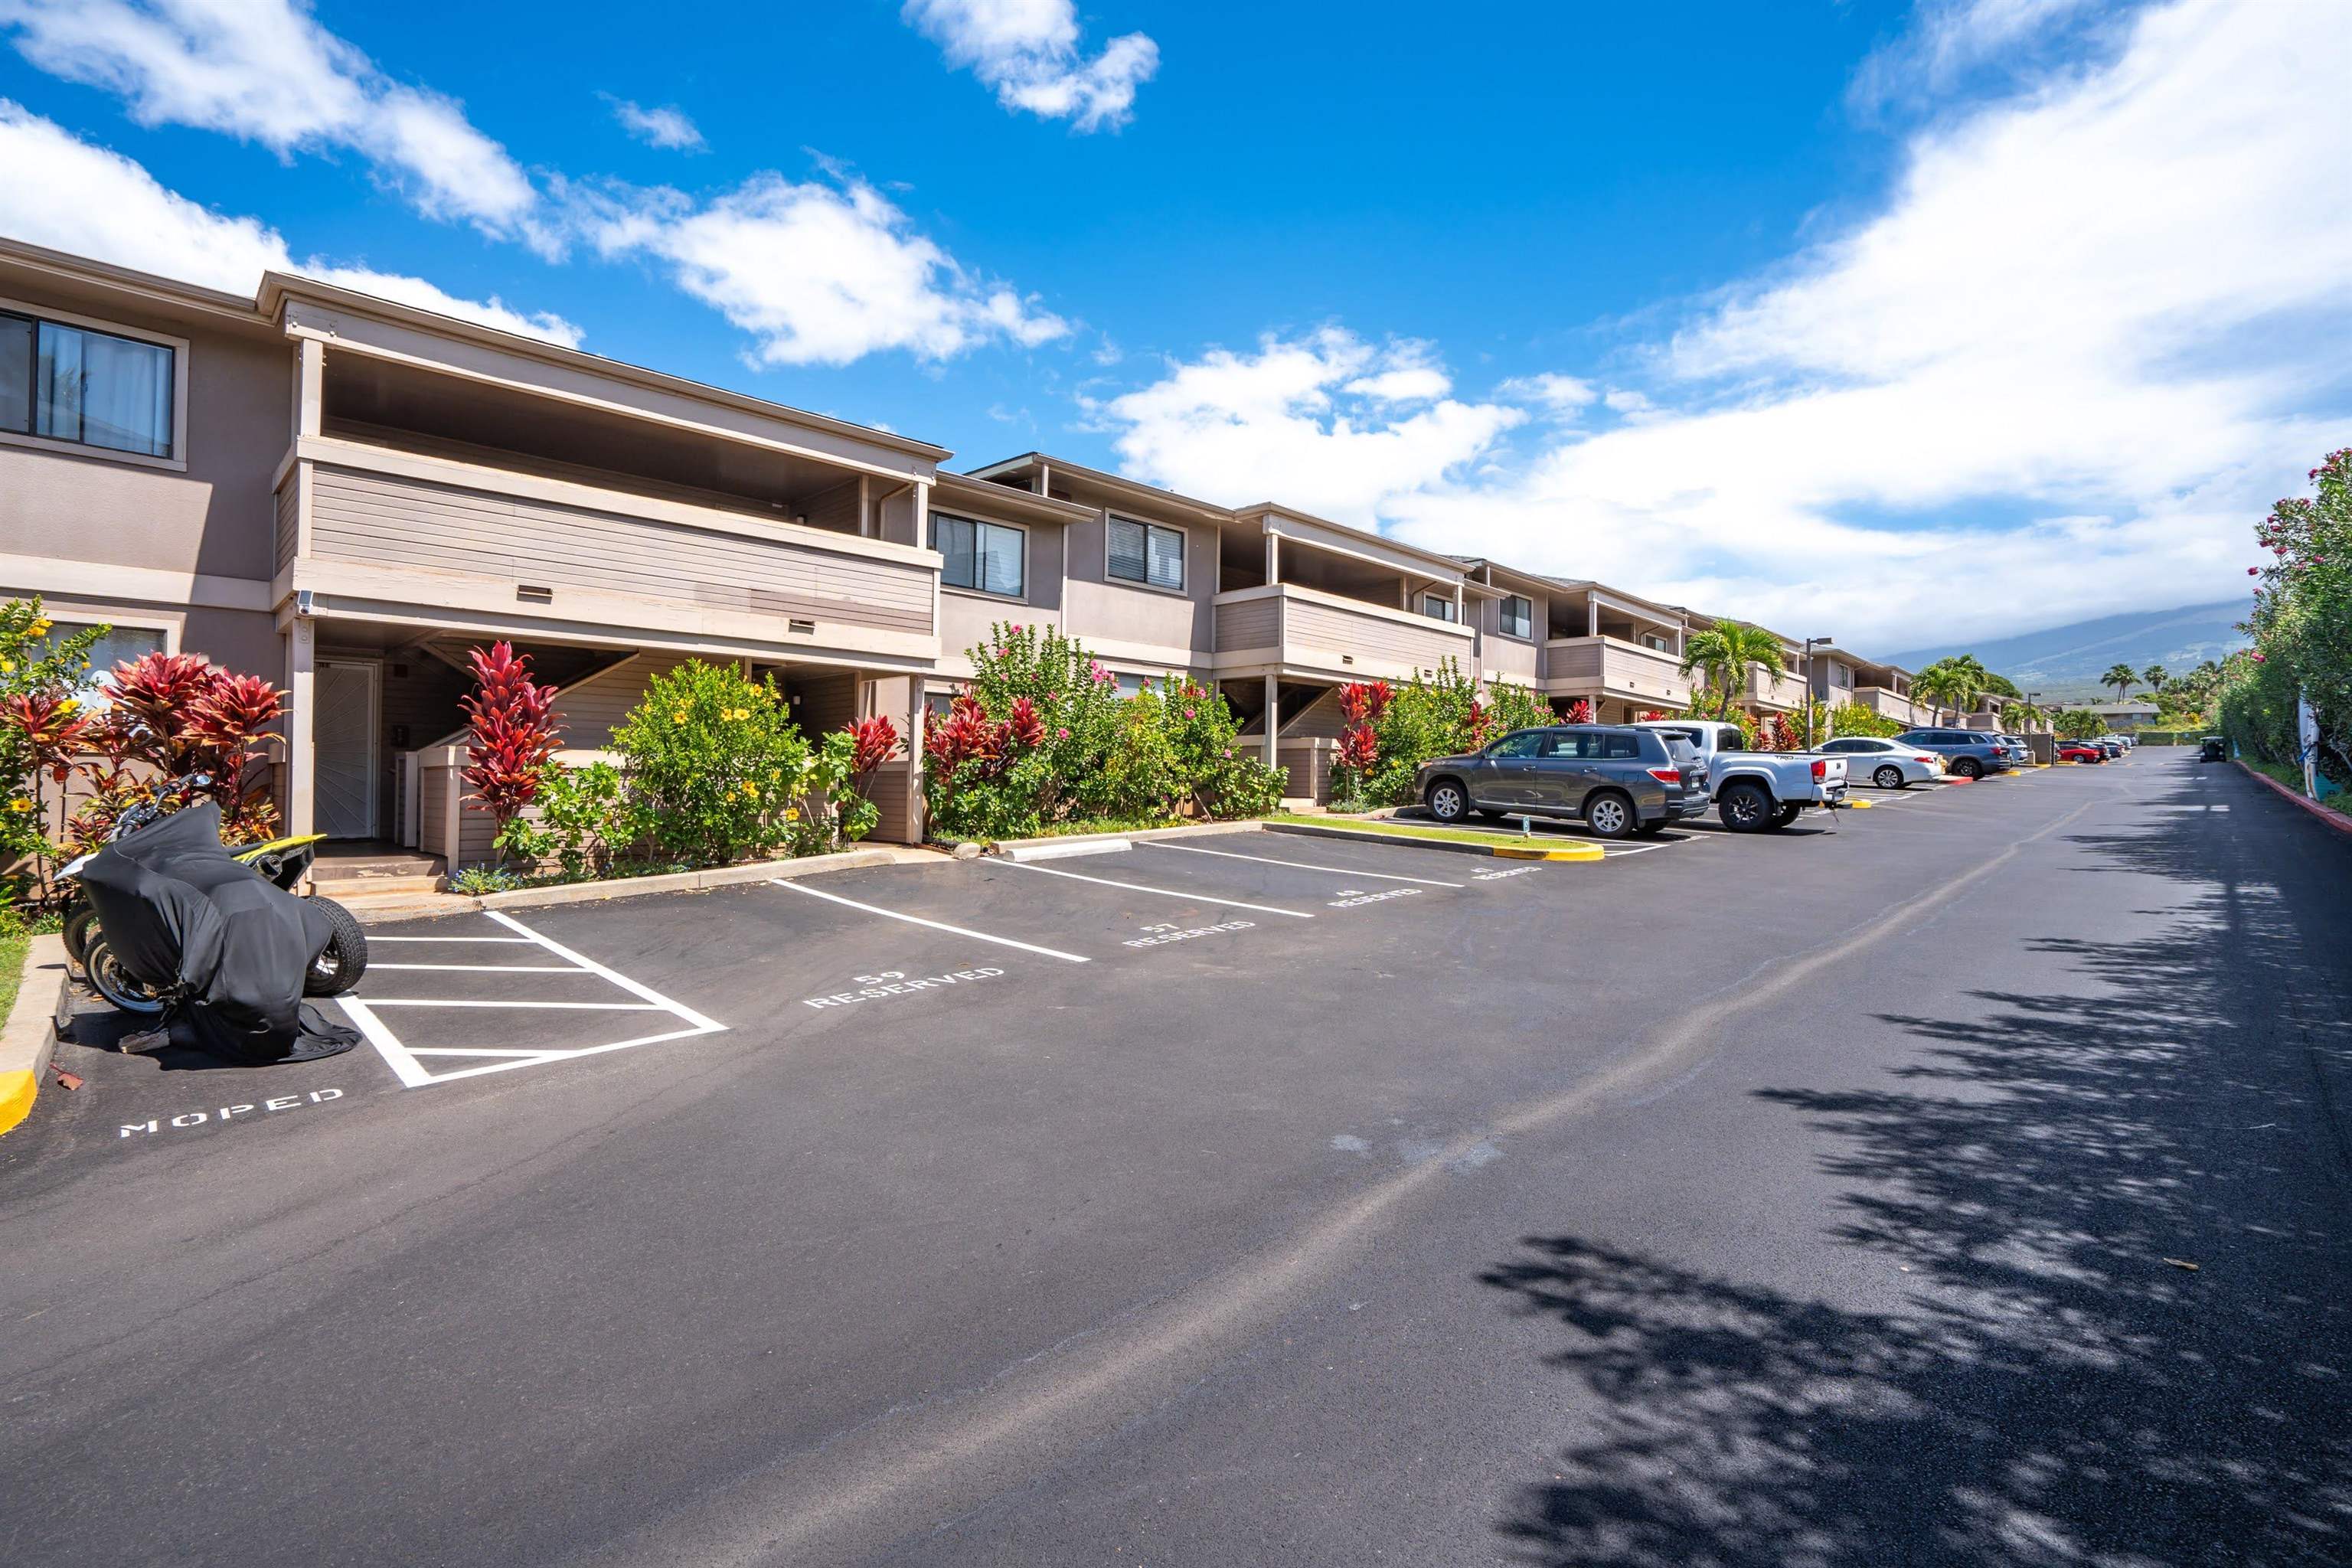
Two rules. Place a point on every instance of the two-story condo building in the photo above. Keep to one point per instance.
(347, 494)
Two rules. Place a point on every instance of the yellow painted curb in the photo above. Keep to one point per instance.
(1572, 852)
(1860, 804)
(16, 1091)
(29, 1030)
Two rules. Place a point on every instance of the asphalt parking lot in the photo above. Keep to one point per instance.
(1247, 1197)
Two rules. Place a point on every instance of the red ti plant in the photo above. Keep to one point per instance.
(1364, 704)
(514, 734)
(178, 714)
(1023, 725)
(1649, 715)
(1581, 711)
(873, 742)
(1780, 735)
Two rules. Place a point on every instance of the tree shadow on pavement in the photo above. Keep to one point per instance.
(2043, 1386)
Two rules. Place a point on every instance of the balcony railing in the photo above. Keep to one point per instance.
(1885, 702)
(1313, 631)
(1774, 690)
(453, 539)
(1610, 667)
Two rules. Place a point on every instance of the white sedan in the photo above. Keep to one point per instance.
(1889, 764)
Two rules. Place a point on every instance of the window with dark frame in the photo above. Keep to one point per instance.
(986, 557)
(1147, 553)
(1437, 606)
(1518, 617)
(91, 388)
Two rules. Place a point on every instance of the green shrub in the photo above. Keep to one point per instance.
(1441, 714)
(1853, 719)
(586, 821)
(476, 881)
(713, 765)
(1043, 738)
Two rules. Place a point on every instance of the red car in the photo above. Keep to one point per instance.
(2077, 752)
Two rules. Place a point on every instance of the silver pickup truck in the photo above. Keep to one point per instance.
(1757, 792)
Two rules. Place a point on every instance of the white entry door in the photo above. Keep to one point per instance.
(343, 734)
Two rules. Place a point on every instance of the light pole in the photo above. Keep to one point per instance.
(1810, 644)
(2032, 700)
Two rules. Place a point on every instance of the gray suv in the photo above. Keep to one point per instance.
(1620, 779)
(1967, 753)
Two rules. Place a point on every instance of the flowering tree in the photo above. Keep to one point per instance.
(514, 734)
(2301, 624)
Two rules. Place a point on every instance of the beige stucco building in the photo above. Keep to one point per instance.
(346, 494)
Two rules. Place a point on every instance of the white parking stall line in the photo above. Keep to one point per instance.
(623, 980)
(1164, 892)
(937, 925)
(1302, 865)
(408, 1062)
(493, 968)
(530, 1006)
(515, 940)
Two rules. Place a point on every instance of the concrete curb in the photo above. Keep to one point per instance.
(1008, 847)
(1451, 846)
(2335, 820)
(31, 1029)
(642, 886)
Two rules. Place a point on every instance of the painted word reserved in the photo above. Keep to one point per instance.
(894, 983)
(1162, 935)
(230, 1112)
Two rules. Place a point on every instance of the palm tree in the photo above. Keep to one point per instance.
(2120, 677)
(2155, 675)
(1958, 682)
(1723, 653)
(2017, 718)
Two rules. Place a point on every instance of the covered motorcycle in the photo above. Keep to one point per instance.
(214, 939)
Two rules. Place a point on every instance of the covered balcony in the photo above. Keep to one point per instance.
(1614, 650)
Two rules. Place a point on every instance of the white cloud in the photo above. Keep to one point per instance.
(265, 71)
(2087, 340)
(1561, 394)
(65, 194)
(666, 127)
(818, 273)
(1028, 51)
(1302, 421)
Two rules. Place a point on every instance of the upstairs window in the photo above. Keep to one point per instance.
(93, 389)
(986, 557)
(1147, 553)
(1437, 606)
(1518, 617)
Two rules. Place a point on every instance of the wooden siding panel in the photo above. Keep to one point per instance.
(1311, 624)
(285, 523)
(374, 518)
(1251, 624)
(590, 710)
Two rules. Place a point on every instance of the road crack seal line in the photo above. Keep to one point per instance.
(851, 1496)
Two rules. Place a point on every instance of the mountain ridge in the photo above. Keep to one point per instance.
(2067, 661)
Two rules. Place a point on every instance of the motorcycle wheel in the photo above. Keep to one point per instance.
(345, 959)
(115, 983)
(79, 927)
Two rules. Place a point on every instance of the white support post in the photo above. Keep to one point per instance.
(1273, 559)
(914, 717)
(301, 758)
(1273, 715)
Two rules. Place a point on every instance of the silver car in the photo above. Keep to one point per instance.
(1889, 764)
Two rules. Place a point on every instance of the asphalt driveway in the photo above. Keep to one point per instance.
(1804, 1196)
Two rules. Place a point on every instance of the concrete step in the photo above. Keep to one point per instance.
(356, 890)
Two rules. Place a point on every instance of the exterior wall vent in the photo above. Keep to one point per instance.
(534, 595)
(803, 628)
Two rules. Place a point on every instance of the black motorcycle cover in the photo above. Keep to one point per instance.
(185, 916)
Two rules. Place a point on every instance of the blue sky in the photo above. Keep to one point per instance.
(1797, 310)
